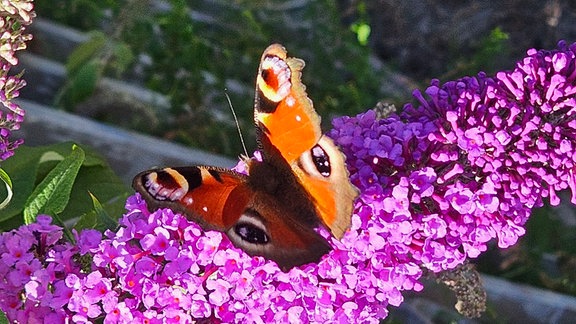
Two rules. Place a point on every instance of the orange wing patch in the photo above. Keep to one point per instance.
(283, 109)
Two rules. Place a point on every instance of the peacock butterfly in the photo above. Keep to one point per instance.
(300, 183)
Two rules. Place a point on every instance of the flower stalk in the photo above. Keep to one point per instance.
(14, 17)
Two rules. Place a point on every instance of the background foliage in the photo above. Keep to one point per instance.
(195, 51)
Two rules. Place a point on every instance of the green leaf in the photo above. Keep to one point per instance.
(32, 164)
(102, 220)
(80, 85)
(102, 183)
(3, 318)
(6, 179)
(51, 156)
(100, 212)
(22, 168)
(99, 217)
(85, 52)
(52, 194)
(56, 220)
(123, 57)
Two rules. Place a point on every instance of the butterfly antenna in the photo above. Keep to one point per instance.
(237, 123)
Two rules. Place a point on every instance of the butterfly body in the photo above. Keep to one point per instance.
(300, 183)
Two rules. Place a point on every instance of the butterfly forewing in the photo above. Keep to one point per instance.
(283, 111)
(211, 196)
(290, 125)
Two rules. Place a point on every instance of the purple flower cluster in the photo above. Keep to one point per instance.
(160, 267)
(469, 162)
(15, 16)
(34, 263)
(411, 192)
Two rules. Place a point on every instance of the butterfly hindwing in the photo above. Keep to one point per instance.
(223, 200)
(322, 171)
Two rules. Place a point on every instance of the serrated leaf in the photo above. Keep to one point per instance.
(95, 175)
(22, 168)
(101, 182)
(53, 193)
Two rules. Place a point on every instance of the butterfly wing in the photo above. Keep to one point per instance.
(220, 199)
(283, 112)
(323, 173)
(213, 197)
(288, 124)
